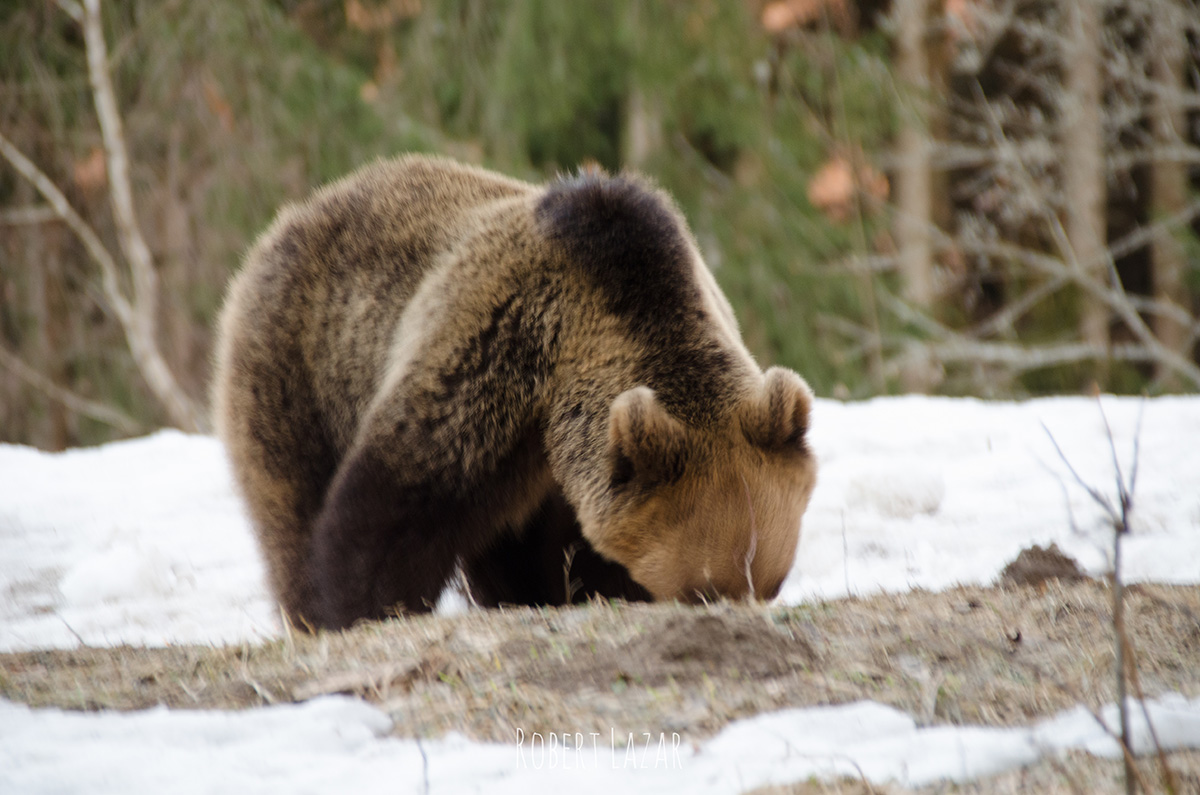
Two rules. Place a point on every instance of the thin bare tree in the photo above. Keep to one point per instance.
(136, 307)
(1168, 118)
(1082, 143)
(1034, 135)
(914, 182)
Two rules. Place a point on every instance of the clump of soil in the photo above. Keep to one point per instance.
(680, 648)
(691, 645)
(1035, 565)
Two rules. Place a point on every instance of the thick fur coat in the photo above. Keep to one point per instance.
(428, 365)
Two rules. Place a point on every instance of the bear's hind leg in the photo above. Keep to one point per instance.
(283, 469)
(381, 544)
(525, 566)
(547, 562)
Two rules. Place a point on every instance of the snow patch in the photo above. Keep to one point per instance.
(338, 744)
(120, 572)
(902, 491)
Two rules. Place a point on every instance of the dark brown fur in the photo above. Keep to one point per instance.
(429, 364)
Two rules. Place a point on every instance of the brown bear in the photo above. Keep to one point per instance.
(427, 365)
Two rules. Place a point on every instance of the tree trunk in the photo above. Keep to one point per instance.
(914, 175)
(914, 181)
(1170, 188)
(1085, 182)
(642, 135)
(53, 323)
(643, 128)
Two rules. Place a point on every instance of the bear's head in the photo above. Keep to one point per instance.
(701, 513)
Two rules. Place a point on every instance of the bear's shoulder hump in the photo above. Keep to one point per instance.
(618, 228)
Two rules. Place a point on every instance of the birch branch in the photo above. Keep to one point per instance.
(953, 346)
(137, 313)
(32, 215)
(129, 234)
(1113, 293)
(109, 270)
(76, 403)
(142, 334)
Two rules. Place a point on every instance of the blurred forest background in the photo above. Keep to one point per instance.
(987, 197)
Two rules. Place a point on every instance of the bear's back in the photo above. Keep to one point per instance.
(376, 231)
(322, 290)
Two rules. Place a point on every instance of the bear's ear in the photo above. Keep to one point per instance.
(777, 418)
(646, 444)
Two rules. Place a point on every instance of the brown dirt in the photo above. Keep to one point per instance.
(972, 655)
(1036, 564)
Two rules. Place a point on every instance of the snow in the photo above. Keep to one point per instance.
(920, 492)
(138, 542)
(143, 542)
(338, 744)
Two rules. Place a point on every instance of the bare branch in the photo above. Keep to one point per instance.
(71, 9)
(953, 346)
(91, 241)
(1004, 319)
(1168, 775)
(33, 214)
(1107, 289)
(1092, 491)
(1144, 235)
(1137, 448)
(76, 403)
(1033, 357)
(133, 245)
(1126, 666)
(1180, 154)
(1115, 298)
(1126, 498)
(139, 315)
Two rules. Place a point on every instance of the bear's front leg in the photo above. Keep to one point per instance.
(409, 500)
(384, 541)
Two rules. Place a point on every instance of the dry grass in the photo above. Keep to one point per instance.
(1076, 773)
(993, 656)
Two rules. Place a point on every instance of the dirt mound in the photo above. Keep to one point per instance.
(1035, 565)
(679, 647)
(734, 644)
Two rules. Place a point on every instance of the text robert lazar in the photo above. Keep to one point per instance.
(591, 750)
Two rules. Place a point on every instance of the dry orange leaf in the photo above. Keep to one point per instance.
(360, 17)
(590, 167)
(832, 189)
(781, 15)
(91, 173)
(962, 17)
(217, 104)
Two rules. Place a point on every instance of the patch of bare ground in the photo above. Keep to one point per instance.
(972, 655)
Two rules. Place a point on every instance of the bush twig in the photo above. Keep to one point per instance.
(1119, 518)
